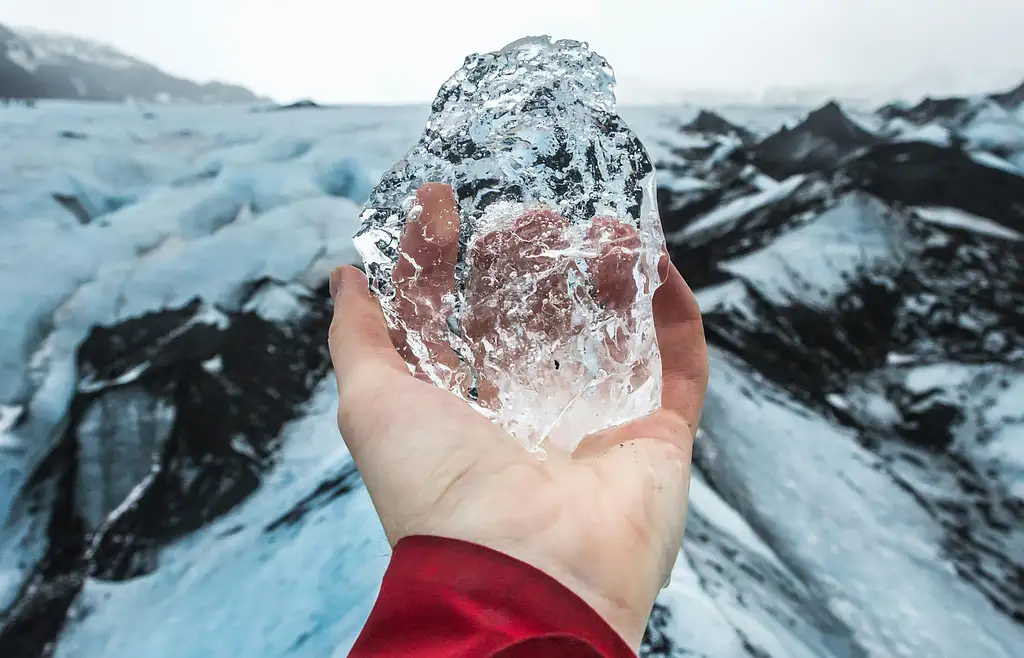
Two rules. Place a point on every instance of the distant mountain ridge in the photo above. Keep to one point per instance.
(36, 64)
(824, 137)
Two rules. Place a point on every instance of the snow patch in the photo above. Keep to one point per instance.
(816, 261)
(52, 47)
(859, 539)
(722, 217)
(994, 161)
(931, 133)
(956, 218)
(710, 505)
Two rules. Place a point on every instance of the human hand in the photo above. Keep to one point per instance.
(539, 293)
(606, 521)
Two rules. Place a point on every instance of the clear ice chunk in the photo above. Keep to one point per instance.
(515, 248)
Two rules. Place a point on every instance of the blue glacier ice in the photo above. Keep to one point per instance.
(193, 301)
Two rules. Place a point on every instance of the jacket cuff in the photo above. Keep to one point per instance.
(475, 601)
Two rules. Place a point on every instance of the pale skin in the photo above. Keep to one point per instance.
(606, 521)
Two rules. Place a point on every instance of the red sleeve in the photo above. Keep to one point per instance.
(450, 598)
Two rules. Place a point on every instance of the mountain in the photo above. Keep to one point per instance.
(952, 108)
(929, 109)
(878, 290)
(711, 123)
(989, 123)
(1011, 99)
(172, 482)
(35, 64)
(821, 140)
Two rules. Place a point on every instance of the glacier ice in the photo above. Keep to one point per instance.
(775, 566)
(525, 286)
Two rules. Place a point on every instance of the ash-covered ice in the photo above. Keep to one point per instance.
(515, 248)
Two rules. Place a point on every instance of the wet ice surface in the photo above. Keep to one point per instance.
(529, 293)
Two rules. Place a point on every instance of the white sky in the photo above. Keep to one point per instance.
(401, 50)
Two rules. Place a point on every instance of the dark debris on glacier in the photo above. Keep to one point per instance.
(946, 296)
(176, 418)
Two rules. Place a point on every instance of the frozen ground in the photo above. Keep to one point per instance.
(172, 483)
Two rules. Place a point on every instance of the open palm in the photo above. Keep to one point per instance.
(607, 520)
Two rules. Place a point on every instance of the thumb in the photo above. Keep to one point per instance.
(684, 351)
(361, 348)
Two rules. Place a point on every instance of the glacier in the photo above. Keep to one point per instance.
(172, 482)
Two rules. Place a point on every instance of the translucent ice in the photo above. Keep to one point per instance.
(515, 248)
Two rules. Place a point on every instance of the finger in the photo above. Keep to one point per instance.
(684, 353)
(358, 337)
(425, 273)
(515, 286)
(534, 238)
(383, 410)
(516, 280)
(542, 227)
(618, 251)
(429, 247)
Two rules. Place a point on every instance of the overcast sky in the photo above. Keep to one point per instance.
(401, 50)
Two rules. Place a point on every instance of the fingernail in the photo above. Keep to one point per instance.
(336, 276)
(663, 268)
